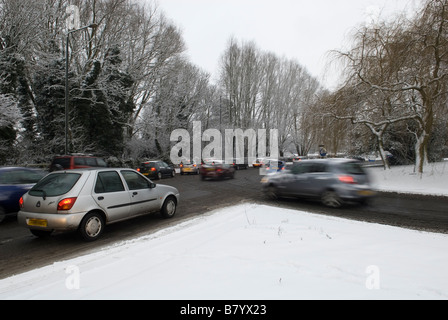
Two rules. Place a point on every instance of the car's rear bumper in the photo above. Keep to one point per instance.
(359, 193)
(49, 222)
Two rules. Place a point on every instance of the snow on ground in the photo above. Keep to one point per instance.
(255, 252)
(434, 180)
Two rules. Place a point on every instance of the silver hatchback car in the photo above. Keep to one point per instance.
(88, 199)
(333, 181)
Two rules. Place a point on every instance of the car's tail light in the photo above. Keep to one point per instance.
(138, 169)
(21, 202)
(347, 179)
(181, 165)
(153, 169)
(66, 204)
(194, 165)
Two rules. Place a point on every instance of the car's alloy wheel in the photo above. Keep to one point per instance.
(169, 208)
(92, 226)
(331, 199)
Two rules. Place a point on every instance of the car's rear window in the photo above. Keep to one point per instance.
(352, 168)
(20, 176)
(63, 162)
(149, 165)
(55, 185)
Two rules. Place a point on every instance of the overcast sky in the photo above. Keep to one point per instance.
(303, 30)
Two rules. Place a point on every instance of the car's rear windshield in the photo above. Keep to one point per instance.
(148, 165)
(63, 162)
(352, 168)
(55, 185)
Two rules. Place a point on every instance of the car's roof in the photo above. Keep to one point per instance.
(329, 160)
(90, 169)
(19, 168)
(76, 155)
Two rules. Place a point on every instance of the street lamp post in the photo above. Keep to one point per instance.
(91, 26)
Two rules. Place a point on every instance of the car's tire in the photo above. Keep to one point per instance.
(173, 173)
(41, 233)
(331, 199)
(159, 175)
(92, 226)
(169, 208)
(271, 193)
(2, 214)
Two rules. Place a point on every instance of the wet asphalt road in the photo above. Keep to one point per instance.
(20, 251)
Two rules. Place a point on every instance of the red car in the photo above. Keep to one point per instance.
(216, 170)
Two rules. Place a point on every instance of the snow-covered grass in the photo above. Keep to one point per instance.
(255, 252)
(434, 180)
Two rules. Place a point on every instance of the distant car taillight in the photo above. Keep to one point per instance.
(138, 169)
(21, 202)
(347, 179)
(66, 204)
(153, 169)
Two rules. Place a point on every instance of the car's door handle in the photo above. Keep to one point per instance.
(100, 198)
(135, 193)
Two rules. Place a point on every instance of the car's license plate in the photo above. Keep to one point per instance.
(37, 222)
(366, 193)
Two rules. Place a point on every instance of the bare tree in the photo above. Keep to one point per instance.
(398, 68)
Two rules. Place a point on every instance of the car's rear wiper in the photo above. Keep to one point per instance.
(44, 194)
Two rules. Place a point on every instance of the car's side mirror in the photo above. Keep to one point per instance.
(152, 185)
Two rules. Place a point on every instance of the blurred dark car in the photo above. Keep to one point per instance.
(156, 169)
(216, 170)
(14, 183)
(239, 164)
(333, 181)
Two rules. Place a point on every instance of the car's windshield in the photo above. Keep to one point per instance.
(55, 185)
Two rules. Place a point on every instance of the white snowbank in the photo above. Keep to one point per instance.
(252, 252)
(434, 180)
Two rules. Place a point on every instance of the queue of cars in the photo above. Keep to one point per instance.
(81, 193)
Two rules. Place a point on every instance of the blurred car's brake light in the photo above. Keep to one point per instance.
(66, 204)
(153, 169)
(138, 169)
(21, 202)
(347, 179)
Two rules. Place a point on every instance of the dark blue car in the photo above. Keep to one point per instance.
(14, 182)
